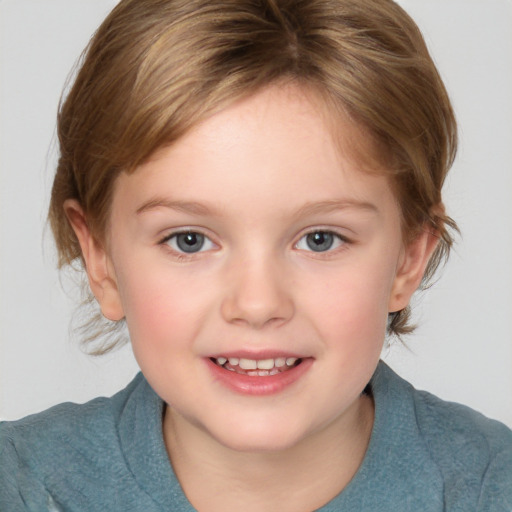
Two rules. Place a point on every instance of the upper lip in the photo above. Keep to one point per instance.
(257, 355)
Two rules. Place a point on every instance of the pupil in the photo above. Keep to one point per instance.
(320, 241)
(190, 242)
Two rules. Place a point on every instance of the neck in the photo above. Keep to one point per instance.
(301, 478)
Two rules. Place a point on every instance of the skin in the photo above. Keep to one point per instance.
(256, 179)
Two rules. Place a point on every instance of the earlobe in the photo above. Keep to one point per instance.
(99, 269)
(411, 268)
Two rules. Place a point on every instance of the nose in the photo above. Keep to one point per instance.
(257, 294)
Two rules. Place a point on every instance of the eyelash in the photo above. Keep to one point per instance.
(178, 252)
(339, 241)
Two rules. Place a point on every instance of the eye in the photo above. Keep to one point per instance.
(189, 242)
(320, 241)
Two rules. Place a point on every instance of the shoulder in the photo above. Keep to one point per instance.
(464, 427)
(472, 453)
(471, 450)
(67, 442)
(67, 423)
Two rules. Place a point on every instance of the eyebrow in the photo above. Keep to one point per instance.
(334, 205)
(312, 208)
(182, 206)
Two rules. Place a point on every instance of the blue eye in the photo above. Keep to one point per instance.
(320, 241)
(189, 242)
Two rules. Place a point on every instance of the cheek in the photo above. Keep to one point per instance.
(162, 308)
(353, 305)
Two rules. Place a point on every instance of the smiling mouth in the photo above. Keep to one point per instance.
(257, 367)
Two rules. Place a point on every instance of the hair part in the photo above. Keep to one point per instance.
(156, 68)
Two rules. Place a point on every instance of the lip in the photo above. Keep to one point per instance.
(259, 355)
(256, 385)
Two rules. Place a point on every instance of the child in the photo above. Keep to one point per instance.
(255, 188)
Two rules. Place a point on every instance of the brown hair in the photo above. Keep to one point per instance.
(155, 68)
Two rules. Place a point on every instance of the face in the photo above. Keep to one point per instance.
(256, 264)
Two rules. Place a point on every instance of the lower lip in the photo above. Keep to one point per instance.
(256, 385)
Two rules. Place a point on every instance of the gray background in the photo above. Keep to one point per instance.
(463, 348)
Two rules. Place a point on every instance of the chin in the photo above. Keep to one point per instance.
(263, 438)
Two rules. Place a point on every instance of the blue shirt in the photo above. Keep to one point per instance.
(108, 454)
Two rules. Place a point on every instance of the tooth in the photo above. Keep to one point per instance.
(274, 371)
(280, 361)
(263, 373)
(266, 364)
(221, 360)
(291, 361)
(252, 373)
(247, 364)
(233, 361)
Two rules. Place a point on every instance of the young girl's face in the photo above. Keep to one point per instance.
(256, 265)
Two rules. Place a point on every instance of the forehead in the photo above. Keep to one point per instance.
(291, 103)
(282, 140)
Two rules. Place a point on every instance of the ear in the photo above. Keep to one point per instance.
(411, 268)
(98, 266)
